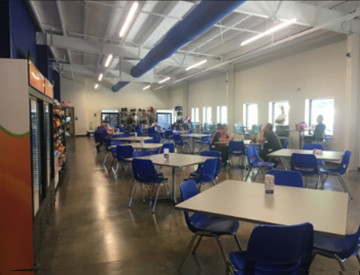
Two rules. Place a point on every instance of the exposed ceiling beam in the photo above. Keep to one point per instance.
(305, 14)
(58, 6)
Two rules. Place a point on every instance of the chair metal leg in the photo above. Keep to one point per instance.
(237, 242)
(131, 186)
(105, 159)
(187, 251)
(133, 193)
(214, 183)
(221, 248)
(156, 198)
(248, 174)
(323, 181)
(257, 173)
(358, 258)
(344, 186)
(340, 262)
(196, 245)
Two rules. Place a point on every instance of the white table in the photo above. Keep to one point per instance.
(326, 210)
(176, 161)
(132, 139)
(332, 156)
(141, 146)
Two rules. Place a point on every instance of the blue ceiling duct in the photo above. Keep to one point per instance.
(119, 85)
(203, 17)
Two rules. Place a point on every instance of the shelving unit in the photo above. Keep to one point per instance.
(59, 124)
(178, 115)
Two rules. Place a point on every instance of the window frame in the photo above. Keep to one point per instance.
(309, 112)
(245, 114)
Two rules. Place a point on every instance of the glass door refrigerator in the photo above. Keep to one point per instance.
(110, 117)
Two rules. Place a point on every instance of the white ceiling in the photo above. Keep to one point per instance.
(82, 33)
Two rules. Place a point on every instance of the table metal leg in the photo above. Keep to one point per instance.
(284, 163)
(174, 184)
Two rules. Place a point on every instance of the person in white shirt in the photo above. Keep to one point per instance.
(280, 119)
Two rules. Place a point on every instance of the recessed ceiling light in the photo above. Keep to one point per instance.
(100, 77)
(165, 79)
(146, 87)
(128, 19)
(196, 65)
(108, 60)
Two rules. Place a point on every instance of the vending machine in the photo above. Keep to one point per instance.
(26, 163)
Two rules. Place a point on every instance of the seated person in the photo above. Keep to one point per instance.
(101, 130)
(319, 131)
(271, 142)
(221, 135)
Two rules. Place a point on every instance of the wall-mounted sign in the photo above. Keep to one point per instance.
(36, 79)
(49, 88)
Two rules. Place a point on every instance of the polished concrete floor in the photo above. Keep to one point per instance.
(92, 231)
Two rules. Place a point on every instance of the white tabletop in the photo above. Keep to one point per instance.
(176, 160)
(326, 210)
(132, 139)
(194, 135)
(145, 146)
(326, 155)
(247, 142)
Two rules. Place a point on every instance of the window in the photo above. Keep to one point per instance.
(195, 115)
(221, 114)
(279, 110)
(250, 115)
(320, 106)
(207, 115)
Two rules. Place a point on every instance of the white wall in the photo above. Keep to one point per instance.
(313, 74)
(207, 92)
(175, 97)
(89, 102)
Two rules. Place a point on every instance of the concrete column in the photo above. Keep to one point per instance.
(352, 99)
(230, 97)
(185, 104)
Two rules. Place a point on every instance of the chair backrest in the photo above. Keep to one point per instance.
(178, 139)
(99, 137)
(351, 242)
(312, 146)
(306, 164)
(344, 163)
(274, 248)
(169, 134)
(170, 146)
(286, 144)
(252, 154)
(209, 171)
(144, 170)
(123, 152)
(137, 154)
(216, 154)
(236, 147)
(113, 150)
(287, 178)
(188, 189)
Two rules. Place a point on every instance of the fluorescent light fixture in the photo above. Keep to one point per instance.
(269, 31)
(165, 79)
(108, 60)
(196, 64)
(96, 86)
(100, 77)
(146, 87)
(128, 19)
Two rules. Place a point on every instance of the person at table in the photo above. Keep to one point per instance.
(271, 142)
(280, 119)
(104, 131)
(221, 135)
(319, 131)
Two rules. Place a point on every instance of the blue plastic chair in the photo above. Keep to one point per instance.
(205, 225)
(180, 143)
(207, 173)
(306, 164)
(255, 162)
(312, 146)
(338, 172)
(274, 249)
(151, 131)
(137, 154)
(145, 174)
(237, 149)
(139, 130)
(169, 146)
(169, 135)
(208, 154)
(286, 144)
(155, 139)
(287, 178)
(338, 248)
(108, 142)
(123, 152)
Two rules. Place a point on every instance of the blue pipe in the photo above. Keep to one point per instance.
(119, 85)
(203, 17)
